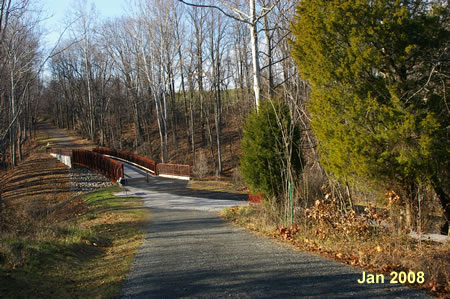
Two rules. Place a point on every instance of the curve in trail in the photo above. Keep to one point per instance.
(60, 138)
(165, 193)
(190, 252)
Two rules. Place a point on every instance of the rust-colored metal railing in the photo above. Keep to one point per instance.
(140, 160)
(156, 168)
(110, 168)
(174, 169)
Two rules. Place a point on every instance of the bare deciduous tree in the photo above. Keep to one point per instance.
(251, 19)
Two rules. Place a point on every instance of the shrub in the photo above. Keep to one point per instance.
(270, 150)
(377, 103)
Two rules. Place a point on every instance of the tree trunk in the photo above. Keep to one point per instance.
(218, 131)
(102, 123)
(183, 92)
(173, 115)
(269, 57)
(19, 141)
(191, 110)
(13, 128)
(445, 202)
(255, 54)
(161, 127)
(166, 131)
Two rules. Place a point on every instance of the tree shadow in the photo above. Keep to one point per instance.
(139, 178)
(196, 254)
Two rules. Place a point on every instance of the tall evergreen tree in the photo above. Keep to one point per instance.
(265, 159)
(379, 72)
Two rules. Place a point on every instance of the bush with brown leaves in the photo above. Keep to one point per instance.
(328, 220)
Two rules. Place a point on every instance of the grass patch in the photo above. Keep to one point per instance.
(219, 186)
(354, 243)
(252, 217)
(44, 139)
(86, 256)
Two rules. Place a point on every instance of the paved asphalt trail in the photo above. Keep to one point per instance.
(190, 252)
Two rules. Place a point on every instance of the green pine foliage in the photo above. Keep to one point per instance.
(264, 161)
(379, 72)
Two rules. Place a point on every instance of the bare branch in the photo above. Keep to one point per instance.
(4, 14)
(273, 63)
(265, 11)
(240, 19)
(235, 10)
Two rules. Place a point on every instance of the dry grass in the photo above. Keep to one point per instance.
(55, 245)
(116, 224)
(86, 256)
(216, 185)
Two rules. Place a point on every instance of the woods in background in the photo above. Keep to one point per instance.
(187, 69)
(175, 80)
(20, 60)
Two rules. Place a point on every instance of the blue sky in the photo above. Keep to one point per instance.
(58, 10)
(107, 8)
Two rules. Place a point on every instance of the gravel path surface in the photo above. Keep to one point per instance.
(84, 180)
(190, 252)
(195, 254)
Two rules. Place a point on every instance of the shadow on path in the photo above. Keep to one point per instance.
(60, 139)
(195, 254)
(138, 178)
